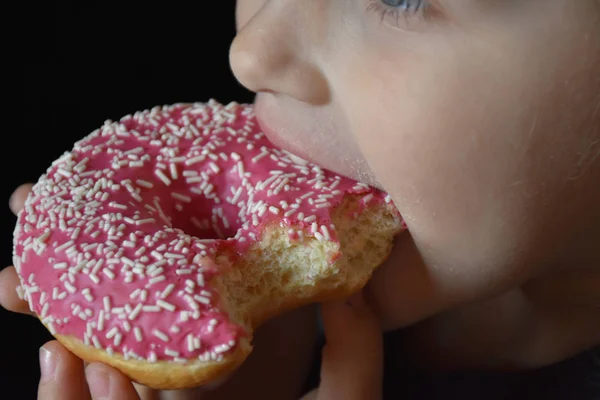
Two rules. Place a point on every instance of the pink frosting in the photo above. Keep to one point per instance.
(115, 242)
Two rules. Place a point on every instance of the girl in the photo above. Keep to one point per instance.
(481, 119)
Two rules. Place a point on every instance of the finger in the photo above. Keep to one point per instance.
(107, 383)
(145, 393)
(352, 362)
(8, 294)
(62, 376)
(17, 199)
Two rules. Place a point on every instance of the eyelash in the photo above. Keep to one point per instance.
(410, 8)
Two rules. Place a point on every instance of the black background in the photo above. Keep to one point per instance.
(76, 65)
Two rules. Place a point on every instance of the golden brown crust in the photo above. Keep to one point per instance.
(162, 375)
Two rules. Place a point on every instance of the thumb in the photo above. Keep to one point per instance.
(352, 362)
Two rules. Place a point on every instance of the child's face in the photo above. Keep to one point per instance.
(476, 115)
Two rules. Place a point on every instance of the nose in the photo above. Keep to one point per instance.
(275, 51)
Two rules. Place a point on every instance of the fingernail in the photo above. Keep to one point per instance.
(48, 363)
(98, 382)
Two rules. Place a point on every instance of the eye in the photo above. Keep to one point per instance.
(408, 5)
(399, 12)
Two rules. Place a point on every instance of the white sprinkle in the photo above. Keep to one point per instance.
(108, 273)
(191, 302)
(202, 300)
(144, 183)
(274, 210)
(114, 204)
(161, 175)
(183, 271)
(190, 342)
(138, 334)
(325, 232)
(100, 324)
(75, 233)
(167, 306)
(214, 167)
(70, 288)
(64, 173)
(156, 279)
(160, 335)
(44, 237)
(257, 158)
(168, 290)
(173, 170)
(45, 310)
(61, 265)
(135, 312)
(171, 353)
(310, 218)
(64, 246)
(181, 197)
(194, 160)
(118, 338)
(173, 255)
(111, 333)
(106, 302)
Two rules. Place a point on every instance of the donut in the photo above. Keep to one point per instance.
(162, 240)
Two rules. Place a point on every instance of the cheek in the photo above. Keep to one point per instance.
(450, 141)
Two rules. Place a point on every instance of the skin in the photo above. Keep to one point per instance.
(481, 119)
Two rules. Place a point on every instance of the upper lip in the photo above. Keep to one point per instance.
(273, 135)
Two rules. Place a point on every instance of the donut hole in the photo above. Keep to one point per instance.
(201, 217)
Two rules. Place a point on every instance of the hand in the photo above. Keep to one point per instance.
(351, 368)
(352, 359)
(545, 320)
(275, 369)
(64, 377)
